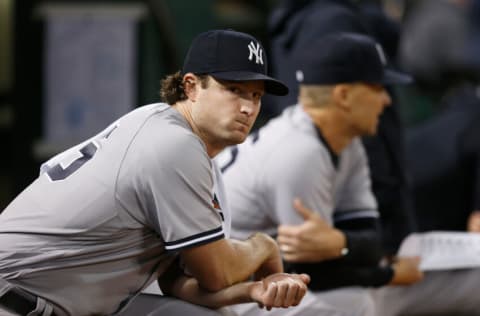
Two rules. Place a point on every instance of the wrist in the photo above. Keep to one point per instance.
(253, 290)
(341, 249)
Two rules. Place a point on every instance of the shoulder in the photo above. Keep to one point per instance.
(298, 158)
(356, 147)
(165, 136)
(289, 140)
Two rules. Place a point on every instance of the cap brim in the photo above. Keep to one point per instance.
(272, 86)
(395, 77)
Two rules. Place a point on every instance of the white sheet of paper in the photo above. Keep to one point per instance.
(443, 250)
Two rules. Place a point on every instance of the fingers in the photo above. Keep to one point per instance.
(305, 278)
(306, 213)
(286, 248)
(270, 295)
(287, 291)
(473, 224)
(281, 298)
(406, 271)
(288, 244)
(293, 256)
(296, 290)
(290, 248)
(298, 255)
(288, 233)
(415, 260)
(302, 290)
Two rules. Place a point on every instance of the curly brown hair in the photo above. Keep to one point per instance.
(172, 89)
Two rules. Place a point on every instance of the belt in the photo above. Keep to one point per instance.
(19, 301)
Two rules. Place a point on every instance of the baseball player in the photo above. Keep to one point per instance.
(313, 152)
(142, 201)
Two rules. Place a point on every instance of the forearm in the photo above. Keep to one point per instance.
(175, 283)
(225, 262)
(189, 290)
(276, 290)
(259, 255)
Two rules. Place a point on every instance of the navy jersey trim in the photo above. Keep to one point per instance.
(333, 156)
(198, 239)
(234, 153)
(343, 215)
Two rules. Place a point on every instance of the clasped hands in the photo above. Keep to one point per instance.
(279, 290)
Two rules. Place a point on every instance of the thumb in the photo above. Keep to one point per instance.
(305, 278)
(306, 213)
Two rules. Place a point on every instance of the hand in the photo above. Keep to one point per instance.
(473, 224)
(406, 271)
(280, 290)
(312, 241)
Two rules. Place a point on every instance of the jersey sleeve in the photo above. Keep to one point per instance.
(356, 199)
(167, 182)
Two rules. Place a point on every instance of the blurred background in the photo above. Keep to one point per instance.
(69, 68)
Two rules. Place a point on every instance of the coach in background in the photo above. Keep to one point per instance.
(312, 154)
(110, 216)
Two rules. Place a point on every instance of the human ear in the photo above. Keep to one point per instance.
(341, 96)
(190, 82)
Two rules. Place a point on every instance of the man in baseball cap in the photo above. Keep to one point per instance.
(346, 58)
(312, 154)
(121, 210)
(233, 56)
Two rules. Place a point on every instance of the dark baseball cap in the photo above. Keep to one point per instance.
(233, 56)
(346, 58)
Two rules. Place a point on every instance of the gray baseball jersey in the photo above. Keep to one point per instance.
(105, 218)
(286, 159)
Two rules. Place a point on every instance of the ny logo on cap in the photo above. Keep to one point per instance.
(381, 54)
(257, 51)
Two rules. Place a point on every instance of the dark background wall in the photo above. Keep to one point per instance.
(163, 36)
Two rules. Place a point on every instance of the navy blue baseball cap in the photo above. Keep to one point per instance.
(233, 56)
(346, 58)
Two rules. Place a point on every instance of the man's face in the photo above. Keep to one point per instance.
(225, 111)
(367, 104)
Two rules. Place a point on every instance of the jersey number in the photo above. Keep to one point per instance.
(58, 173)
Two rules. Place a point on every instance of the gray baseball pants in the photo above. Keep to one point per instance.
(450, 292)
(348, 301)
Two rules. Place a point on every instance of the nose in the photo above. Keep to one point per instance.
(386, 98)
(249, 106)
